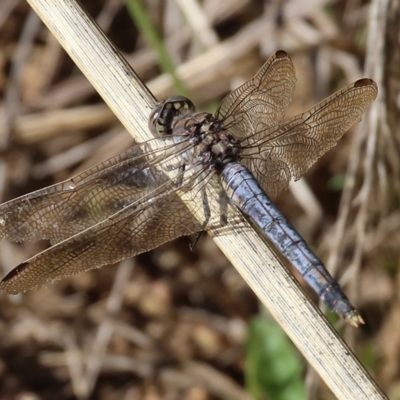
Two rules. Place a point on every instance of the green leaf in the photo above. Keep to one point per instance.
(273, 366)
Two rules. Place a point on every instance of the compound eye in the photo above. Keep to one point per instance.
(182, 104)
(162, 116)
(156, 125)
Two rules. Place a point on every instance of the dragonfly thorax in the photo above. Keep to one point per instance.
(213, 145)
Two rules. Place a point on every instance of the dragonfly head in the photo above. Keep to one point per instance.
(162, 116)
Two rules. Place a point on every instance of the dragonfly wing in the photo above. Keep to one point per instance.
(262, 101)
(139, 227)
(286, 151)
(62, 210)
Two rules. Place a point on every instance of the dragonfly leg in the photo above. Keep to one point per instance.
(207, 214)
(223, 207)
(181, 174)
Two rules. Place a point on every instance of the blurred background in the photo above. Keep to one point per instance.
(177, 324)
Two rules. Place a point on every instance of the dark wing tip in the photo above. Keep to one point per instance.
(6, 284)
(364, 82)
(281, 54)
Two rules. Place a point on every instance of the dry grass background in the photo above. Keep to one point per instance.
(173, 323)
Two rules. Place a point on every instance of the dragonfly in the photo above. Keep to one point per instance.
(246, 152)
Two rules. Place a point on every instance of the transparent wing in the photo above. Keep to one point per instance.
(62, 210)
(262, 101)
(120, 208)
(129, 232)
(286, 151)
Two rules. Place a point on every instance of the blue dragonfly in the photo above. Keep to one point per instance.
(130, 203)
